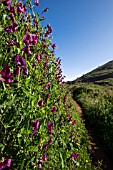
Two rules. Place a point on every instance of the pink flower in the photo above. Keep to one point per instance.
(70, 117)
(74, 122)
(54, 109)
(7, 2)
(6, 162)
(41, 103)
(50, 127)
(53, 46)
(37, 2)
(6, 75)
(46, 9)
(74, 156)
(35, 124)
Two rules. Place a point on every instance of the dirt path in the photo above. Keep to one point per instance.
(96, 151)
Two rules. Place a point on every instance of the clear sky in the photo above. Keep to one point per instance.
(83, 33)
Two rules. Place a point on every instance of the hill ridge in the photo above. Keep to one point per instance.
(102, 75)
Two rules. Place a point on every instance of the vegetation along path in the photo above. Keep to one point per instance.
(96, 151)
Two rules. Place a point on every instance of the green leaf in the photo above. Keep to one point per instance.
(19, 135)
(62, 161)
(1, 145)
(28, 94)
(33, 148)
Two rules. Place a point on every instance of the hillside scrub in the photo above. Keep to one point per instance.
(40, 128)
(97, 104)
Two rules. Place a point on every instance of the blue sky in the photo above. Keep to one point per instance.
(83, 33)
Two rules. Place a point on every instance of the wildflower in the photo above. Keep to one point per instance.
(6, 75)
(53, 46)
(30, 38)
(39, 164)
(47, 143)
(44, 157)
(74, 122)
(49, 29)
(17, 71)
(54, 109)
(37, 2)
(35, 124)
(41, 161)
(46, 9)
(11, 9)
(74, 156)
(48, 95)
(26, 50)
(12, 16)
(48, 83)
(7, 2)
(6, 162)
(11, 28)
(38, 57)
(41, 103)
(20, 61)
(21, 8)
(46, 88)
(50, 127)
(70, 117)
(25, 71)
(76, 141)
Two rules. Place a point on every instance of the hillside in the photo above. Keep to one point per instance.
(103, 75)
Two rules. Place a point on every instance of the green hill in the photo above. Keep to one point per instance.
(103, 75)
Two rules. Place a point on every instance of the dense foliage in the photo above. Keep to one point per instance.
(97, 104)
(40, 128)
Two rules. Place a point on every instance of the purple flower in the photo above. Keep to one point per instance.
(11, 9)
(74, 122)
(44, 157)
(35, 124)
(11, 28)
(7, 2)
(38, 57)
(12, 43)
(50, 127)
(12, 16)
(74, 156)
(37, 2)
(30, 38)
(70, 117)
(6, 75)
(54, 109)
(26, 50)
(48, 95)
(20, 8)
(47, 143)
(6, 162)
(20, 61)
(41, 103)
(39, 164)
(34, 39)
(76, 140)
(53, 46)
(48, 83)
(25, 71)
(8, 29)
(17, 71)
(46, 9)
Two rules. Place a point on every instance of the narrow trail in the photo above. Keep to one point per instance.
(96, 151)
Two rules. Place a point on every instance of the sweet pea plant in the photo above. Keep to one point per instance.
(37, 122)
